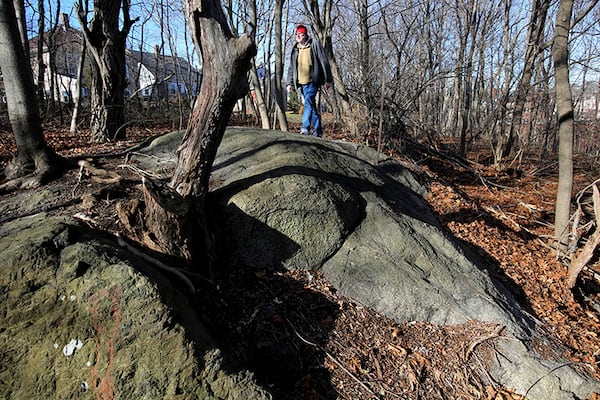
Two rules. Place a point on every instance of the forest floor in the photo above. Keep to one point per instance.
(505, 216)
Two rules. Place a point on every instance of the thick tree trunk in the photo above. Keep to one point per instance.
(107, 103)
(226, 61)
(344, 107)
(33, 158)
(106, 44)
(22, 25)
(564, 107)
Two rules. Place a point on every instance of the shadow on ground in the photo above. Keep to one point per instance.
(267, 321)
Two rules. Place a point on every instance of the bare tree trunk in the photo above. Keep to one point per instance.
(537, 24)
(508, 49)
(259, 98)
(467, 93)
(34, 157)
(106, 44)
(456, 110)
(367, 87)
(54, 108)
(281, 117)
(77, 105)
(181, 228)
(340, 96)
(564, 106)
(41, 74)
(22, 24)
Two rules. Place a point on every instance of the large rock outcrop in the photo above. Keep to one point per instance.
(82, 318)
(293, 202)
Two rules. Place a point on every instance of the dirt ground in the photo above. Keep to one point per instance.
(306, 342)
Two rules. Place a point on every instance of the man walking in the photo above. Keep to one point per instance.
(308, 71)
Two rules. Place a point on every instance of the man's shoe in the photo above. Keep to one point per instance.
(304, 132)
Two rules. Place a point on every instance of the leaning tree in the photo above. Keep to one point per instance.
(176, 216)
(35, 162)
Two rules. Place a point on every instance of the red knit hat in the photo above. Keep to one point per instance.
(301, 28)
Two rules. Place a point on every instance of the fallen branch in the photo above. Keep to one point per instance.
(97, 174)
(140, 172)
(332, 358)
(581, 260)
(496, 333)
(502, 216)
(587, 252)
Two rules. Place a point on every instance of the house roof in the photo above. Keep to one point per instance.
(164, 67)
(59, 36)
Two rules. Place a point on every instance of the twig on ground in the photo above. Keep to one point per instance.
(547, 374)
(140, 172)
(502, 215)
(332, 358)
(496, 333)
(489, 377)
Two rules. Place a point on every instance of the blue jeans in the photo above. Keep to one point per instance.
(311, 114)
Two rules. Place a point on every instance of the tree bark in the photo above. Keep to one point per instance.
(106, 44)
(34, 158)
(471, 27)
(564, 106)
(280, 108)
(259, 98)
(77, 105)
(226, 61)
(41, 74)
(22, 25)
(537, 25)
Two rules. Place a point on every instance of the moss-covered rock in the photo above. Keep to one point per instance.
(82, 318)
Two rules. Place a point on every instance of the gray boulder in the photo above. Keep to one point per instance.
(294, 202)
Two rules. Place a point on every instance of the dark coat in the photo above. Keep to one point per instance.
(320, 72)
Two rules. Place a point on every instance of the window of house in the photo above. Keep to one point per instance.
(71, 64)
(66, 96)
